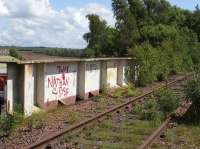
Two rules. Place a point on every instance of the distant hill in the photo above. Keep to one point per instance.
(53, 51)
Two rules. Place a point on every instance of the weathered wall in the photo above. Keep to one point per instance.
(46, 84)
(61, 82)
(92, 77)
(112, 73)
(81, 80)
(40, 85)
(12, 85)
(89, 79)
(28, 89)
(122, 72)
(3, 68)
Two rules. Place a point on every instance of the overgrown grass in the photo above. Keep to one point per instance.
(159, 106)
(124, 92)
(182, 136)
(168, 101)
(35, 121)
(109, 135)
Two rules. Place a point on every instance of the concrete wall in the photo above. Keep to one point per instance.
(47, 84)
(109, 74)
(89, 79)
(3, 68)
(122, 72)
(12, 86)
(28, 89)
(57, 82)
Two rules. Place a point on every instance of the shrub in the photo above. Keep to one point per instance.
(148, 111)
(118, 93)
(6, 125)
(14, 53)
(161, 77)
(193, 91)
(35, 121)
(132, 91)
(168, 101)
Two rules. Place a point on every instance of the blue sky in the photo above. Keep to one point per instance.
(61, 4)
(55, 23)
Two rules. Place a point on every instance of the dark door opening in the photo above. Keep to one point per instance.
(2, 94)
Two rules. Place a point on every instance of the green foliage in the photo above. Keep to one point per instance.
(161, 105)
(132, 91)
(35, 121)
(162, 38)
(6, 125)
(99, 39)
(9, 123)
(168, 101)
(128, 91)
(14, 53)
(145, 56)
(148, 110)
(193, 91)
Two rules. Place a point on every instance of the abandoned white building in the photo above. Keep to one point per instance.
(44, 81)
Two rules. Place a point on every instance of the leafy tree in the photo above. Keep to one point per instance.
(127, 31)
(100, 38)
(193, 21)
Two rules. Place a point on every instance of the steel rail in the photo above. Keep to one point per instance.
(150, 140)
(80, 125)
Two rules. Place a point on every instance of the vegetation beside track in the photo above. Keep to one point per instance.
(127, 130)
(186, 133)
(17, 122)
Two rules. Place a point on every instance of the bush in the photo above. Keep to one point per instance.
(132, 91)
(193, 91)
(168, 101)
(6, 125)
(161, 77)
(14, 53)
(148, 111)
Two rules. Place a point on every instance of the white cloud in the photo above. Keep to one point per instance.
(36, 23)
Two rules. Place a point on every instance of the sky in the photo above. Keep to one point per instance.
(55, 23)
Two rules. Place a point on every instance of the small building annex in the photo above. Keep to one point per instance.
(42, 81)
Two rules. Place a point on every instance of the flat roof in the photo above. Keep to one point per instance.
(32, 58)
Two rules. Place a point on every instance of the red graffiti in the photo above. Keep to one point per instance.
(63, 69)
(59, 85)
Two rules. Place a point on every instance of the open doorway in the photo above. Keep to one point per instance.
(3, 80)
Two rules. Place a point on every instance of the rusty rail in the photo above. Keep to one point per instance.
(97, 117)
(150, 140)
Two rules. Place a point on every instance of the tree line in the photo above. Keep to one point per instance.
(163, 39)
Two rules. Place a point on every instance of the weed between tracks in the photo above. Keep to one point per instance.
(126, 131)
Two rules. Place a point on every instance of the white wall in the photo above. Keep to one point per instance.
(3, 68)
(112, 73)
(121, 75)
(60, 81)
(92, 76)
(28, 89)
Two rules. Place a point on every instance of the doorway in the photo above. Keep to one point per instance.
(3, 80)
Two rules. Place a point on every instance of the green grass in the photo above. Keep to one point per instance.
(123, 92)
(110, 135)
(183, 136)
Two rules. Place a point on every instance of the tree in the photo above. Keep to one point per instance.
(126, 25)
(100, 38)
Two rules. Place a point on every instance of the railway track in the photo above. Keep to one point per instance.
(156, 134)
(45, 143)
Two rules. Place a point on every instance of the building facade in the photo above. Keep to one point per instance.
(45, 82)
